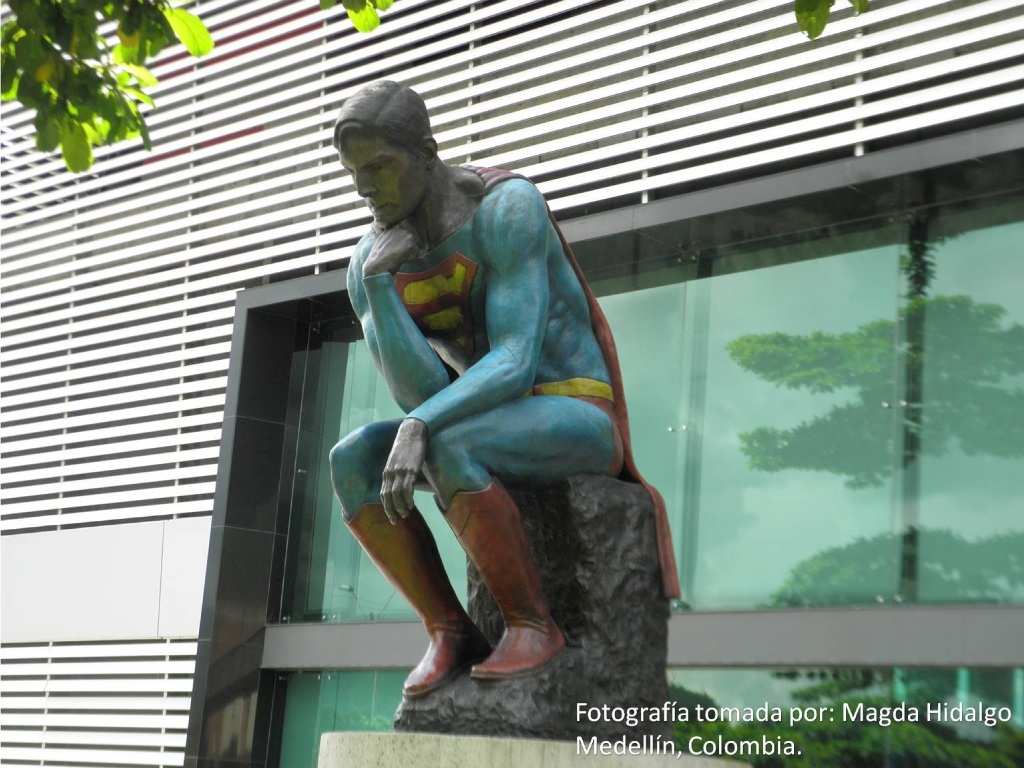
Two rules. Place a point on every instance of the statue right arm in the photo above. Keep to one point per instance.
(410, 366)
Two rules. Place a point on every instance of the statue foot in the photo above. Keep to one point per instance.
(522, 651)
(449, 653)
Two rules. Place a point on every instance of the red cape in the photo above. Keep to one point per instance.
(603, 333)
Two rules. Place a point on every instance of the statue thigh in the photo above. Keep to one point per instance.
(539, 438)
(357, 463)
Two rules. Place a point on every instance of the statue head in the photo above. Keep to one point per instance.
(384, 139)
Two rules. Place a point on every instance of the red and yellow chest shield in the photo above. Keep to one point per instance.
(438, 299)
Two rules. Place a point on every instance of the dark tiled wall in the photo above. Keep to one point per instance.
(234, 702)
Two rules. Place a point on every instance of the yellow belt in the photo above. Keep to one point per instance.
(578, 387)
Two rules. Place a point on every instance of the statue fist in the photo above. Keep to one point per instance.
(392, 248)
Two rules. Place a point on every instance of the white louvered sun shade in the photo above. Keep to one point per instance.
(95, 704)
(118, 285)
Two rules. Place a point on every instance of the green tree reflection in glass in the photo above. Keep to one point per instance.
(842, 744)
(975, 355)
(989, 570)
(960, 364)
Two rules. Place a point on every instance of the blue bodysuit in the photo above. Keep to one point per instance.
(489, 339)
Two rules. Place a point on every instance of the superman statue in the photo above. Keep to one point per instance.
(478, 317)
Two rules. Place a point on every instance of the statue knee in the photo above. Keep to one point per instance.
(449, 464)
(353, 470)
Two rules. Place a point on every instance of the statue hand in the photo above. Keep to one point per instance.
(402, 469)
(392, 248)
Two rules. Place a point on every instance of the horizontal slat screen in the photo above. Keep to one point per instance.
(118, 285)
(123, 704)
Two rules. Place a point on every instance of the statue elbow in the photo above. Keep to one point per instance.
(518, 376)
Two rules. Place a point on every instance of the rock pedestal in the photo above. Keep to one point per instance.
(594, 541)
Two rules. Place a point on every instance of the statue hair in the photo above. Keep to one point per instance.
(387, 108)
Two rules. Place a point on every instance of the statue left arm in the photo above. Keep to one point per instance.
(516, 309)
(517, 230)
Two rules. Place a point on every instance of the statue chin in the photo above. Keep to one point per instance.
(383, 214)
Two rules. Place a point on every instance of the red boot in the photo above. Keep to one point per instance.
(407, 555)
(488, 525)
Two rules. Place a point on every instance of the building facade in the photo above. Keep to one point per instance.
(809, 252)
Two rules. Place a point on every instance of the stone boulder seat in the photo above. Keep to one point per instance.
(594, 541)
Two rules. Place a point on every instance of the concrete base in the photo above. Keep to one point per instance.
(412, 750)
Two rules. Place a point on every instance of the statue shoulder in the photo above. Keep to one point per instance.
(514, 187)
(494, 185)
(512, 208)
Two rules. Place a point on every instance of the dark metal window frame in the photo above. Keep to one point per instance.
(237, 700)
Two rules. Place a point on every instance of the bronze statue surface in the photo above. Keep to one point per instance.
(480, 320)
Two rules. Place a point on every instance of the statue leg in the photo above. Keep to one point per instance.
(536, 438)
(488, 525)
(407, 555)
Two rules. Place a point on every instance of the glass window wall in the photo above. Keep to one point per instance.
(318, 702)
(909, 717)
(333, 700)
(328, 577)
(832, 412)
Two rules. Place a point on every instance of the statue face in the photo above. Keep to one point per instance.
(391, 178)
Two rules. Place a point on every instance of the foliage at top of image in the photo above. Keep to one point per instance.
(812, 15)
(81, 64)
(362, 13)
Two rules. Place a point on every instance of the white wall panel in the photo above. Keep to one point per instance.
(113, 582)
(100, 583)
(182, 574)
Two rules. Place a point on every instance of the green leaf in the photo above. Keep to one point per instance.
(190, 31)
(327, 4)
(29, 52)
(11, 92)
(61, 33)
(102, 127)
(146, 78)
(12, 30)
(157, 33)
(117, 130)
(74, 145)
(8, 74)
(144, 133)
(92, 134)
(859, 6)
(812, 16)
(383, 5)
(30, 92)
(47, 133)
(365, 20)
(84, 40)
(141, 96)
(30, 15)
(126, 54)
